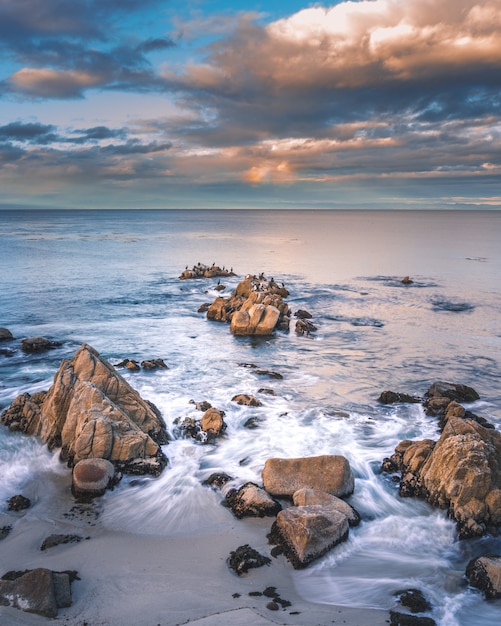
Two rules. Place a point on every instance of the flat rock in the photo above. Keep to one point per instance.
(305, 497)
(329, 473)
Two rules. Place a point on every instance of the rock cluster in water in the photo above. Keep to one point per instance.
(200, 270)
(256, 307)
(461, 471)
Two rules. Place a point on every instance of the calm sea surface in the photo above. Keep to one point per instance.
(110, 279)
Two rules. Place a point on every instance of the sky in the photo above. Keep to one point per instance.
(385, 104)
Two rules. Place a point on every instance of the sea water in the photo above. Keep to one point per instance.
(111, 279)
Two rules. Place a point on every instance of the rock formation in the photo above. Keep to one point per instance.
(200, 270)
(484, 573)
(91, 411)
(251, 501)
(256, 307)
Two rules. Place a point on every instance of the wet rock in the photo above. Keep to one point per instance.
(414, 600)
(484, 573)
(305, 497)
(404, 619)
(246, 400)
(245, 558)
(56, 540)
(329, 473)
(407, 280)
(18, 503)
(258, 319)
(203, 308)
(5, 334)
(217, 480)
(38, 344)
(40, 591)
(91, 477)
(393, 397)
(303, 315)
(305, 327)
(460, 472)
(268, 374)
(92, 412)
(308, 532)
(154, 364)
(252, 422)
(267, 391)
(201, 406)
(5, 531)
(212, 422)
(251, 501)
(130, 364)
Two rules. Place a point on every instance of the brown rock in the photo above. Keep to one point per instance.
(308, 532)
(246, 400)
(251, 501)
(38, 344)
(5, 334)
(484, 573)
(306, 497)
(282, 477)
(91, 477)
(212, 422)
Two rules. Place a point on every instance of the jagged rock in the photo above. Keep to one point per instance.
(453, 391)
(18, 503)
(212, 422)
(308, 532)
(5, 334)
(201, 406)
(251, 501)
(217, 480)
(91, 477)
(130, 364)
(484, 573)
(92, 412)
(56, 540)
(306, 497)
(246, 400)
(302, 314)
(258, 319)
(329, 473)
(40, 591)
(393, 397)
(460, 472)
(245, 558)
(38, 344)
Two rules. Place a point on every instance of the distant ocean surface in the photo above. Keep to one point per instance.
(110, 279)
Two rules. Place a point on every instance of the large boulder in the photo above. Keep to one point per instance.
(329, 473)
(461, 472)
(91, 411)
(91, 477)
(258, 319)
(40, 591)
(306, 497)
(308, 532)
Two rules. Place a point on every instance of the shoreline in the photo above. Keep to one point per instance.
(144, 580)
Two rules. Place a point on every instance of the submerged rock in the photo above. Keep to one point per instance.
(92, 412)
(329, 473)
(56, 540)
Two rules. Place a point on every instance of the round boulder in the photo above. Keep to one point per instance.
(91, 477)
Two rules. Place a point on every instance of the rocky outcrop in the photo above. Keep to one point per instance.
(92, 412)
(40, 591)
(251, 501)
(308, 532)
(38, 344)
(394, 397)
(329, 473)
(200, 270)
(461, 472)
(256, 307)
(245, 399)
(212, 423)
(484, 573)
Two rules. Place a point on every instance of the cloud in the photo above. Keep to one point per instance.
(28, 132)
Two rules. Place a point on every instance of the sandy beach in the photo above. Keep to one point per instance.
(130, 579)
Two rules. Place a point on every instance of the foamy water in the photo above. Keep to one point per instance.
(110, 279)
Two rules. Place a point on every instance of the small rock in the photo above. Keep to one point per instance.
(91, 477)
(245, 558)
(18, 503)
(272, 606)
(393, 397)
(56, 540)
(4, 531)
(5, 334)
(154, 364)
(303, 315)
(267, 391)
(403, 619)
(246, 400)
(38, 344)
(414, 600)
(217, 480)
(305, 327)
(407, 280)
(251, 501)
(212, 422)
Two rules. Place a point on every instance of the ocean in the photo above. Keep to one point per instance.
(111, 279)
